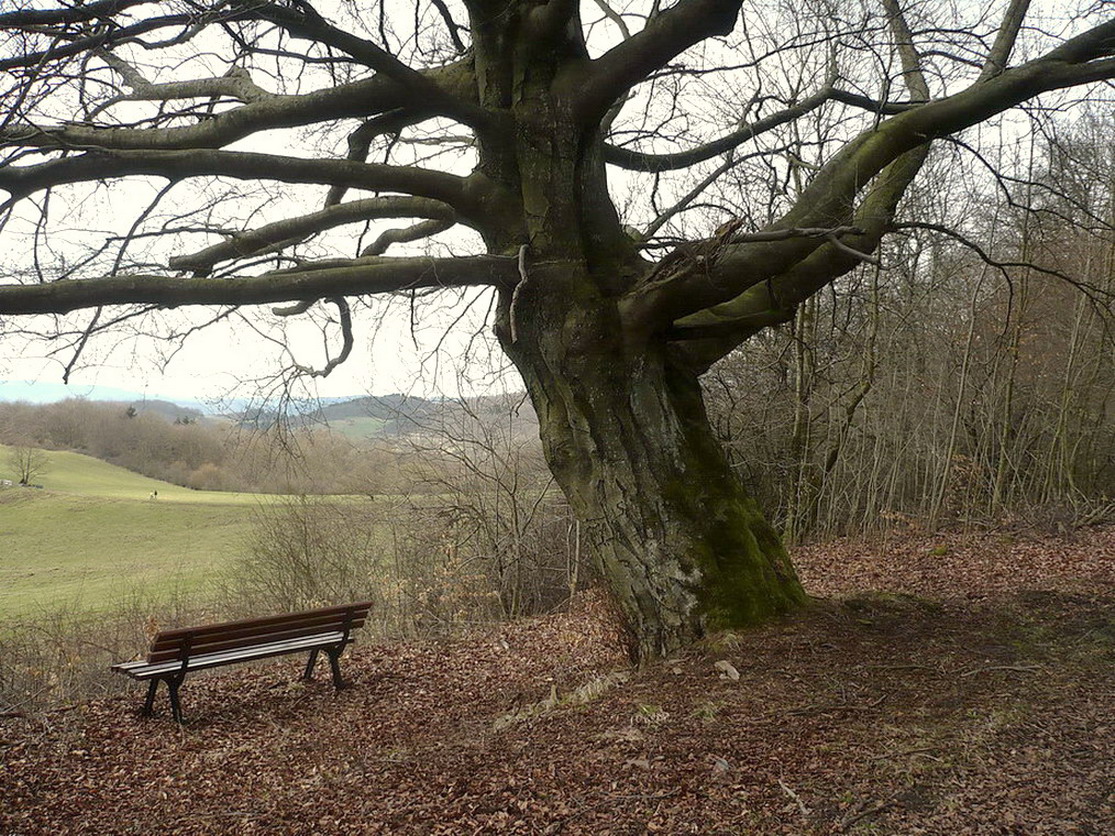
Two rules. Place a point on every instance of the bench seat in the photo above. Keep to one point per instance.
(145, 670)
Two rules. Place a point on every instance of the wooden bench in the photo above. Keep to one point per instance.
(174, 653)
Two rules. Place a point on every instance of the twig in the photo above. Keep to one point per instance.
(794, 796)
(557, 827)
(924, 750)
(522, 262)
(1014, 668)
(843, 826)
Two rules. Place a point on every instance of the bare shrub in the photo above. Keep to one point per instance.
(307, 552)
(496, 506)
(62, 655)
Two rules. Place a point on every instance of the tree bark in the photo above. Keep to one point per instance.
(684, 548)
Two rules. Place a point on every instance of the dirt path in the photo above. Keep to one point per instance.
(975, 695)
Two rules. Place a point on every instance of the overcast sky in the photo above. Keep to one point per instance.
(230, 359)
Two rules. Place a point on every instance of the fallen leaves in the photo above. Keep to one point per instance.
(957, 701)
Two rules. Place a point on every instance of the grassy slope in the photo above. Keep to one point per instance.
(358, 430)
(94, 537)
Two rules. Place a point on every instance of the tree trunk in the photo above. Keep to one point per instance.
(684, 548)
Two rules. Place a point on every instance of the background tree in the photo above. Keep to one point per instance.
(28, 463)
(769, 147)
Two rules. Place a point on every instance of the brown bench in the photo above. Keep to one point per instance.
(174, 653)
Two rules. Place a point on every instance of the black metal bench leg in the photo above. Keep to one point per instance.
(175, 706)
(309, 674)
(149, 703)
(335, 664)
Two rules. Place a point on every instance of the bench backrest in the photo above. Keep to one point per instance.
(174, 645)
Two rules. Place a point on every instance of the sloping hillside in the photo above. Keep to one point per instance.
(75, 473)
(96, 534)
(983, 710)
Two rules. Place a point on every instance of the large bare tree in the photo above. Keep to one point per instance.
(509, 118)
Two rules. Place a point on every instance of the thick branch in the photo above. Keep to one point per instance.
(416, 232)
(666, 36)
(383, 275)
(235, 84)
(307, 23)
(243, 165)
(25, 18)
(256, 241)
(907, 51)
(360, 140)
(1004, 41)
(359, 99)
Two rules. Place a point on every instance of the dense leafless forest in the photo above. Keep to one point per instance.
(963, 383)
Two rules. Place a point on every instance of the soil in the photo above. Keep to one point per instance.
(945, 685)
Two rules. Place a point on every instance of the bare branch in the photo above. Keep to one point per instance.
(730, 162)
(360, 140)
(639, 161)
(345, 315)
(451, 25)
(907, 51)
(107, 36)
(27, 18)
(872, 105)
(685, 287)
(180, 165)
(1004, 41)
(236, 84)
(289, 230)
(381, 275)
(307, 23)
(417, 232)
(1003, 266)
(665, 36)
(358, 99)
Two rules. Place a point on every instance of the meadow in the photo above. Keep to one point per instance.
(96, 535)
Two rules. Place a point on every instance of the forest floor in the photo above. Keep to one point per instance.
(944, 685)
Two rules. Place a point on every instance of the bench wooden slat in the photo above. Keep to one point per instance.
(359, 609)
(216, 642)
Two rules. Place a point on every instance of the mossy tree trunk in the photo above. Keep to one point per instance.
(682, 545)
(684, 548)
(621, 412)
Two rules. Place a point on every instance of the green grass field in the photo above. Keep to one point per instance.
(93, 537)
(358, 430)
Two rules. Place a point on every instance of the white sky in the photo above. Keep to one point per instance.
(229, 359)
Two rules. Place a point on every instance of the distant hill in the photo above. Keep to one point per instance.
(390, 416)
(40, 392)
(359, 418)
(171, 411)
(399, 414)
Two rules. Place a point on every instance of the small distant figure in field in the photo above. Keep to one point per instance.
(154, 495)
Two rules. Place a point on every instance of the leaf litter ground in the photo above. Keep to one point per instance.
(949, 685)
